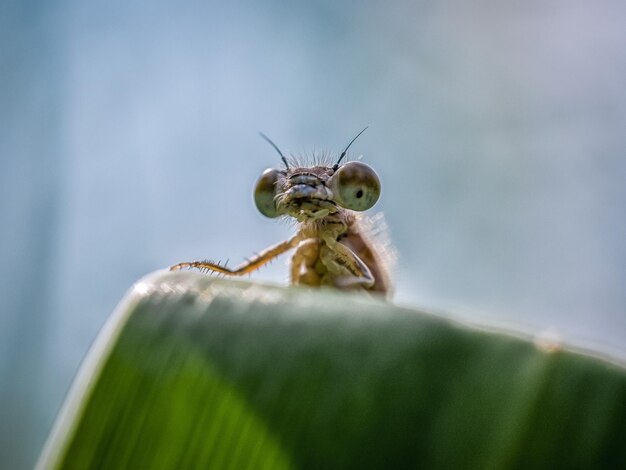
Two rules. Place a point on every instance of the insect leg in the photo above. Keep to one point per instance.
(303, 263)
(252, 264)
(360, 273)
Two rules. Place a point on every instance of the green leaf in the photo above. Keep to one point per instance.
(197, 372)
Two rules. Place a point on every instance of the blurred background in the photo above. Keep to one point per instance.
(128, 142)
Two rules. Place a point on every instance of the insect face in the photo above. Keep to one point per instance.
(313, 193)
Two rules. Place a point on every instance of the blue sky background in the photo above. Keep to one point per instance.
(128, 142)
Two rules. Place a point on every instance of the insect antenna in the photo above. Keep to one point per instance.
(343, 154)
(269, 141)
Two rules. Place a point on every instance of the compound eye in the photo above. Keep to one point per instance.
(264, 192)
(355, 186)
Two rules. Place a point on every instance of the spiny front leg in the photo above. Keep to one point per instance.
(251, 265)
